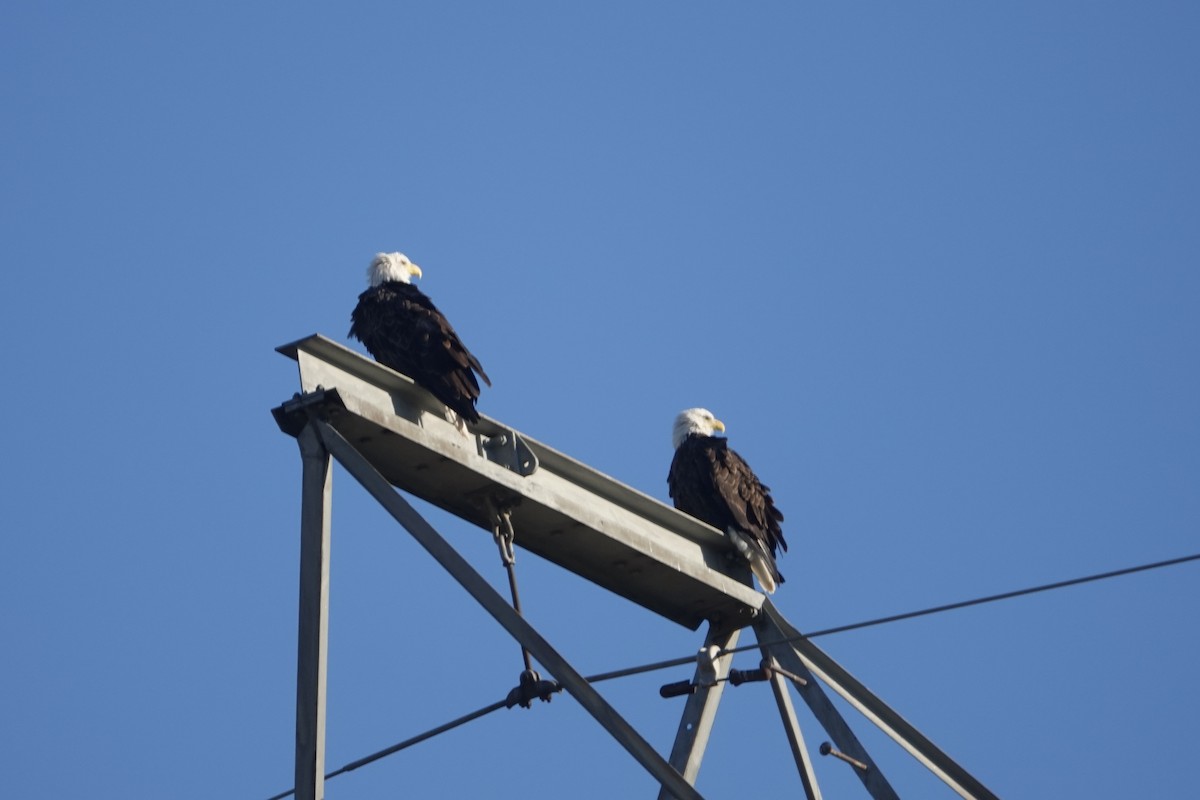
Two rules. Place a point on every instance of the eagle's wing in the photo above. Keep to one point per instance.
(748, 499)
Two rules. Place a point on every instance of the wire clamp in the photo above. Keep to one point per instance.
(739, 676)
(531, 686)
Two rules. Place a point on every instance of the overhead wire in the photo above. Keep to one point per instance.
(474, 715)
(387, 751)
(981, 600)
(691, 659)
(677, 662)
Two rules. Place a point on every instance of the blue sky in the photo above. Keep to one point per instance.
(934, 264)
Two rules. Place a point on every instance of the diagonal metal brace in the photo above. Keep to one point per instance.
(700, 711)
(616, 725)
(771, 643)
(791, 726)
(806, 657)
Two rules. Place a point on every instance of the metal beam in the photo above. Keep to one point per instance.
(312, 646)
(564, 511)
(877, 711)
(771, 641)
(700, 712)
(791, 726)
(379, 488)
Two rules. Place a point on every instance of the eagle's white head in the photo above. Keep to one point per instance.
(694, 420)
(391, 267)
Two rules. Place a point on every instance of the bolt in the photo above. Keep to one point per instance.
(770, 667)
(827, 750)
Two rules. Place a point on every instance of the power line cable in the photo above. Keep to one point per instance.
(989, 599)
(474, 715)
(677, 662)
(387, 751)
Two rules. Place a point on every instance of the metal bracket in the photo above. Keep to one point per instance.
(531, 685)
(510, 451)
(706, 665)
(293, 415)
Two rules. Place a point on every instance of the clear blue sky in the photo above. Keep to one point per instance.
(937, 266)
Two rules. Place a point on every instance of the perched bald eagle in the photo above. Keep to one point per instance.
(715, 485)
(403, 330)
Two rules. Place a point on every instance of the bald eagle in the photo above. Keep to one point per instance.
(714, 484)
(403, 330)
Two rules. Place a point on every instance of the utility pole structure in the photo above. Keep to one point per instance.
(388, 433)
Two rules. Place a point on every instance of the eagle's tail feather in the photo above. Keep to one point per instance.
(458, 420)
(760, 562)
(762, 571)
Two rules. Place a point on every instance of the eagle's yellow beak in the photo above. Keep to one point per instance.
(414, 270)
(718, 425)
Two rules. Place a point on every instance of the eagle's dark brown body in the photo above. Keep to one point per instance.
(400, 326)
(714, 484)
